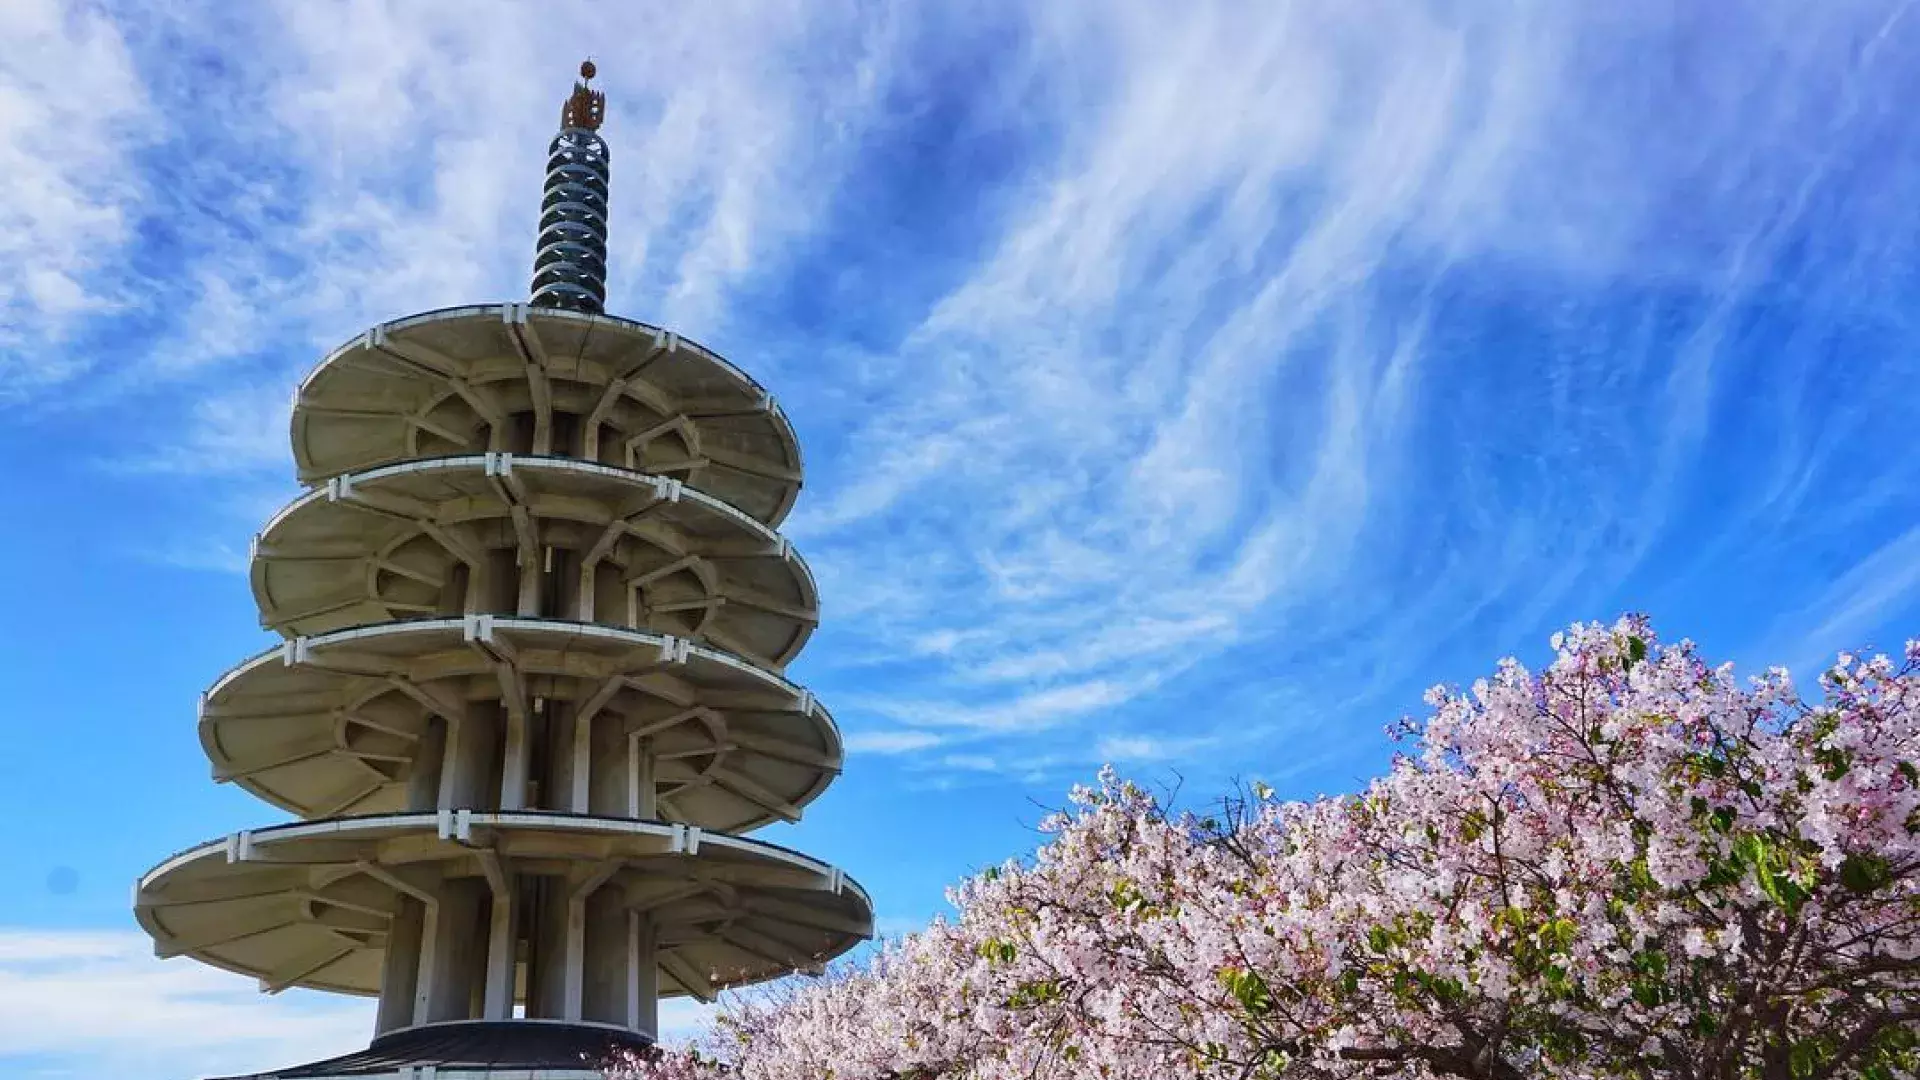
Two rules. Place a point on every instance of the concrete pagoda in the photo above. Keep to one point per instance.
(530, 697)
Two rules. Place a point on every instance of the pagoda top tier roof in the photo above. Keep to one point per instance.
(541, 381)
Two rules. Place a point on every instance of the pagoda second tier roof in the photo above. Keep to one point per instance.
(309, 904)
(330, 724)
(509, 377)
(384, 544)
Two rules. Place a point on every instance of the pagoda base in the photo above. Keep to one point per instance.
(473, 1049)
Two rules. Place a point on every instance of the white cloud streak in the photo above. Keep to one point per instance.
(92, 1003)
(1842, 616)
(891, 742)
(348, 162)
(96, 1003)
(73, 115)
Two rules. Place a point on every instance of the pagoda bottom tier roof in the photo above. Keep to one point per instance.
(310, 904)
(475, 1048)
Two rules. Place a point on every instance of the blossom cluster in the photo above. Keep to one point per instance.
(1628, 864)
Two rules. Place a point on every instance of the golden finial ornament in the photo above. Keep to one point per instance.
(586, 107)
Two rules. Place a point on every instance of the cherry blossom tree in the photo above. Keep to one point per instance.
(1626, 865)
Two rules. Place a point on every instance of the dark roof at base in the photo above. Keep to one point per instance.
(478, 1044)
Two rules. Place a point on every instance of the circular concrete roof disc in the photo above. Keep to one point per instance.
(309, 904)
(380, 545)
(493, 377)
(331, 724)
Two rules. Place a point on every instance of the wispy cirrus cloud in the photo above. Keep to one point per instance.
(1317, 344)
(1141, 361)
(1166, 393)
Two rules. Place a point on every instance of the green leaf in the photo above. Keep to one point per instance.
(1473, 826)
(1558, 935)
(1249, 989)
(1029, 994)
(993, 950)
(1865, 873)
(1636, 650)
(1802, 1059)
(1806, 1056)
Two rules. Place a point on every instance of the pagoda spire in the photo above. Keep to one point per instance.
(570, 257)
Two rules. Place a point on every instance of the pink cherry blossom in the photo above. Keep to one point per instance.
(1626, 865)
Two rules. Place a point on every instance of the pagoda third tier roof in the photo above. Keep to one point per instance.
(331, 724)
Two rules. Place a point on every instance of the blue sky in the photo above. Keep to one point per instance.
(1181, 392)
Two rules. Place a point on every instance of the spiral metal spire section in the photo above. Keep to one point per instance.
(570, 257)
(529, 699)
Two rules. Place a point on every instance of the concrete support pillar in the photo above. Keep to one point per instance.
(607, 787)
(532, 569)
(585, 594)
(456, 592)
(423, 778)
(643, 975)
(502, 581)
(547, 971)
(400, 976)
(502, 946)
(569, 757)
(477, 582)
(579, 891)
(643, 789)
(472, 760)
(515, 757)
(458, 958)
(542, 444)
(611, 594)
(608, 958)
(576, 956)
(561, 589)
